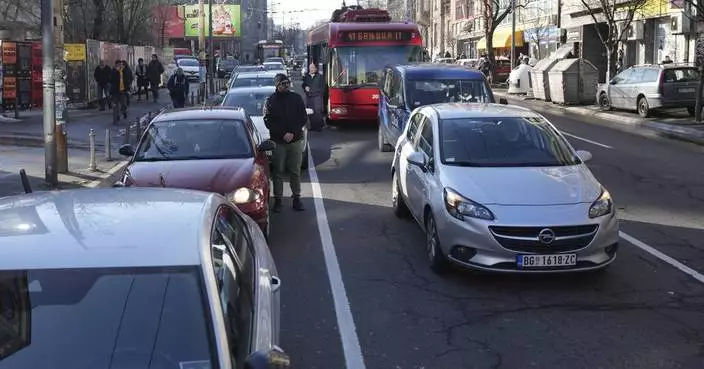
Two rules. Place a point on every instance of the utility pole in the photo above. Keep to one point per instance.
(50, 162)
(60, 97)
(211, 55)
(201, 37)
(513, 32)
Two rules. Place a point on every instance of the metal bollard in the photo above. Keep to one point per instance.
(193, 96)
(92, 166)
(126, 139)
(108, 145)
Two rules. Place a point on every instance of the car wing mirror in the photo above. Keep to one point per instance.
(267, 145)
(309, 111)
(584, 155)
(271, 359)
(418, 159)
(126, 150)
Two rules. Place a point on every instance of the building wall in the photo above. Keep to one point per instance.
(254, 27)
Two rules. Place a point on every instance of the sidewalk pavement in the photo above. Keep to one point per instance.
(675, 124)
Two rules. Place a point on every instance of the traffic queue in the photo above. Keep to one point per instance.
(494, 187)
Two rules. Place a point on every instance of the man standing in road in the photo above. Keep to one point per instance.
(102, 76)
(285, 116)
(154, 72)
(314, 86)
(142, 82)
(119, 83)
(178, 88)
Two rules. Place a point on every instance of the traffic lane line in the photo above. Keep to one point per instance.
(307, 322)
(662, 256)
(413, 318)
(586, 140)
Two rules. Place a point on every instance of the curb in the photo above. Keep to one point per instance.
(109, 177)
(681, 133)
(34, 141)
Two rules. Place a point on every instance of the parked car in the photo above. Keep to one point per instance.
(135, 276)
(275, 67)
(207, 149)
(471, 63)
(498, 188)
(191, 68)
(252, 100)
(405, 87)
(645, 88)
(502, 70)
(253, 79)
(444, 60)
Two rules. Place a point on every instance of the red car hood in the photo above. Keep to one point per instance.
(218, 175)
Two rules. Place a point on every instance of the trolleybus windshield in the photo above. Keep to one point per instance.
(363, 65)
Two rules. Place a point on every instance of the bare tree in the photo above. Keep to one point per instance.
(612, 13)
(538, 21)
(494, 13)
(694, 11)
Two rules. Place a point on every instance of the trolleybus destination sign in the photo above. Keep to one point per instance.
(371, 36)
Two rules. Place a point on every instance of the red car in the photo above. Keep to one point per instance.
(208, 149)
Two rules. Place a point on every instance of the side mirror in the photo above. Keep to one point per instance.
(222, 93)
(503, 101)
(118, 184)
(126, 150)
(267, 145)
(272, 359)
(584, 155)
(418, 159)
(612, 82)
(309, 111)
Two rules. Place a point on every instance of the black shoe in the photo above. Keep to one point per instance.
(277, 205)
(124, 115)
(298, 204)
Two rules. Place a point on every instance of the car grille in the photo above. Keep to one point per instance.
(525, 239)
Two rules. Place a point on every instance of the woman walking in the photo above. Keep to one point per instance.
(314, 86)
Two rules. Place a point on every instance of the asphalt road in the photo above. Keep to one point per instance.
(642, 313)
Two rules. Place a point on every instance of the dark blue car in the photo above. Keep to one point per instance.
(404, 88)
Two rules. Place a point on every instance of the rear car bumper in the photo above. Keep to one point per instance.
(353, 112)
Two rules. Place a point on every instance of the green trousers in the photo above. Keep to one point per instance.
(286, 160)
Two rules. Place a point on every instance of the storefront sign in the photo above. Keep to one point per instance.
(375, 36)
(574, 35)
(9, 53)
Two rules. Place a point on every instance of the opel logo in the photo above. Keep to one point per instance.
(375, 97)
(546, 236)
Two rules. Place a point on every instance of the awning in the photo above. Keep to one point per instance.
(502, 39)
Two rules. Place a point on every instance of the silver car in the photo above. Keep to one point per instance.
(253, 79)
(135, 278)
(498, 188)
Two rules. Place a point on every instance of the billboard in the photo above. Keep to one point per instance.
(76, 73)
(226, 21)
(168, 21)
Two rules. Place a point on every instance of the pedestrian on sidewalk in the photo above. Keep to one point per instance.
(142, 81)
(154, 71)
(118, 84)
(102, 75)
(314, 86)
(130, 79)
(178, 88)
(285, 116)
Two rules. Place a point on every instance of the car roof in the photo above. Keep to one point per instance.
(106, 228)
(195, 113)
(252, 89)
(480, 110)
(433, 70)
(257, 74)
(273, 63)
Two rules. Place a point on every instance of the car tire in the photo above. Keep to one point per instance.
(604, 102)
(397, 202)
(436, 259)
(643, 107)
(381, 141)
(304, 162)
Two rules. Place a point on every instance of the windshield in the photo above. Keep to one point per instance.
(137, 318)
(503, 142)
(275, 60)
(250, 68)
(227, 62)
(268, 52)
(252, 102)
(275, 66)
(253, 82)
(363, 65)
(432, 91)
(187, 63)
(195, 139)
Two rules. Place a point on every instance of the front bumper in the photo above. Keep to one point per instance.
(472, 243)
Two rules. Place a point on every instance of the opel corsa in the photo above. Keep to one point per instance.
(499, 188)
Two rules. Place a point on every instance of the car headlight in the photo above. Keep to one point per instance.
(460, 207)
(602, 206)
(245, 195)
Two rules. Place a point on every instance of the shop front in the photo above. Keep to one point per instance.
(542, 41)
(501, 42)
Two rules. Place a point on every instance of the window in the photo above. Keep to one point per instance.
(396, 93)
(425, 142)
(362, 65)
(650, 75)
(622, 77)
(459, 9)
(234, 292)
(681, 75)
(636, 76)
(188, 63)
(413, 128)
(421, 92)
(251, 102)
(235, 231)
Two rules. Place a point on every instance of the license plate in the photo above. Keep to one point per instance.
(686, 90)
(546, 261)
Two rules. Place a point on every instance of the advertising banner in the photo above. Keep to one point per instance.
(226, 21)
(168, 21)
(76, 83)
(37, 92)
(9, 74)
(92, 61)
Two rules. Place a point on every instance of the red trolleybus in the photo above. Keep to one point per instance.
(270, 49)
(352, 51)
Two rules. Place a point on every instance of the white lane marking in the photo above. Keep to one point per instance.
(652, 251)
(586, 140)
(345, 321)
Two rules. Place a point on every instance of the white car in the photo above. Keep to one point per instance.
(252, 99)
(191, 68)
(146, 275)
(498, 188)
(275, 67)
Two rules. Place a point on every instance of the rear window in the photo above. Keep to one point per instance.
(503, 63)
(188, 63)
(135, 318)
(421, 92)
(681, 75)
(253, 82)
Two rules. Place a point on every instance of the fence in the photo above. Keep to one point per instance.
(21, 70)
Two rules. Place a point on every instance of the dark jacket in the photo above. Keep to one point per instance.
(115, 80)
(102, 75)
(140, 71)
(316, 84)
(155, 70)
(178, 86)
(285, 112)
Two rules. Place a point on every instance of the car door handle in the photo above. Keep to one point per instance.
(275, 283)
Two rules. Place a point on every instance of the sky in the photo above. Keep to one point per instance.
(304, 12)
